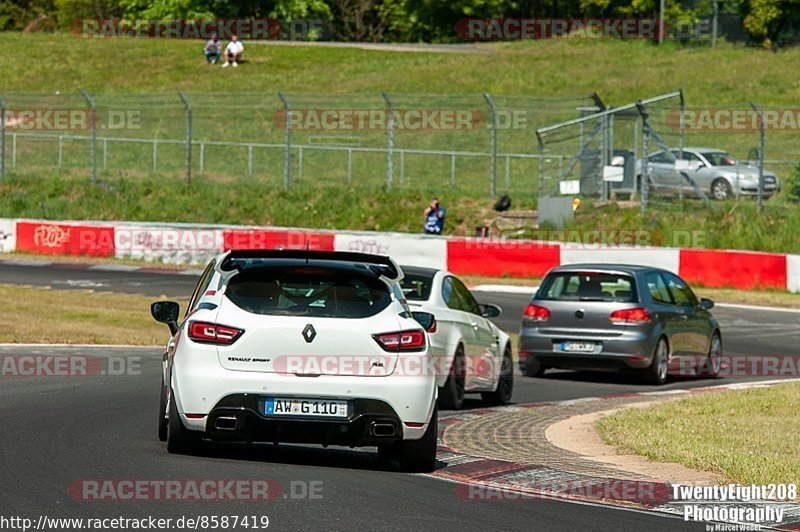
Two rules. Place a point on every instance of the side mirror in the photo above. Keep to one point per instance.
(696, 165)
(166, 312)
(706, 303)
(426, 319)
(490, 311)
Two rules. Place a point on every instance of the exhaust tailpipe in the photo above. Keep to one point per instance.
(226, 423)
(383, 430)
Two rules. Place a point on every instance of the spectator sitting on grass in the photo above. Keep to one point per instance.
(213, 49)
(233, 52)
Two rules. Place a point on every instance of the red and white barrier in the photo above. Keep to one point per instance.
(196, 244)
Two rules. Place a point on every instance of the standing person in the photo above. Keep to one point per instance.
(213, 49)
(434, 218)
(233, 52)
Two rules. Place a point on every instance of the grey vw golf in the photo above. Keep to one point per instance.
(607, 316)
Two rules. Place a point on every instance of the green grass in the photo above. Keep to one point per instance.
(749, 436)
(237, 202)
(240, 105)
(242, 201)
(620, 71)
(79, 317)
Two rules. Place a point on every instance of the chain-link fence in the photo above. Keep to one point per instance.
(480, 143)
(664, 152)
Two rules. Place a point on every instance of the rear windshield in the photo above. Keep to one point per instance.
(588, 286)
(417, 287)
(307, 291)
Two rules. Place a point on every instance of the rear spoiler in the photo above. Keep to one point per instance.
(381, 264)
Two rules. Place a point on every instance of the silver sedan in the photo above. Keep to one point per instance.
(715, 171)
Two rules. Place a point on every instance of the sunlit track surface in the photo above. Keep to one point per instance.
(61, 430)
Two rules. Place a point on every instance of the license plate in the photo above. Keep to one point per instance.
(286, 406)
(578, 347)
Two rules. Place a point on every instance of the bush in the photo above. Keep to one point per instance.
(793, 184)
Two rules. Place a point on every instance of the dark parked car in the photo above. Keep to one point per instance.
(608, 316)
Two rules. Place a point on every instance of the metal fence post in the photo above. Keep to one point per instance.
(493, 133)
(645, 179)
(389, 142)
(681, 128)
(287, 155)
(2, 139)
(188, 105)
(761, 140)
(540, 169)
(93, 111)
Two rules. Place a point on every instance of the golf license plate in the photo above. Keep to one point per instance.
(292, 406)
(569, 346)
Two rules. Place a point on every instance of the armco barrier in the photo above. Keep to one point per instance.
(742, 269)
(195, 244)
(65, 238)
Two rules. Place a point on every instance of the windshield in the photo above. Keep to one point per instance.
(720, 158)
(306, 291)
(588, 286)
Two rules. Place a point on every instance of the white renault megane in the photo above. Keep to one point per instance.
(293, 346)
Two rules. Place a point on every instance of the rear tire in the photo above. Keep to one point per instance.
(419, 456)
(711, 365)
(451, 395)
(180, 440)
(534, 368)
(505, 383)
(656, 372)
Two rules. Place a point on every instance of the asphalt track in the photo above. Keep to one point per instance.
(59, 430)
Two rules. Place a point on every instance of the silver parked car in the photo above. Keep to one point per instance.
(716, 172)
(608, 316)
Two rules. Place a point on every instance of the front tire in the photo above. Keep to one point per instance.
(180, 440)
(451, 395)
(505, 383)
(656, 372)
(419, 456)
(721, 189)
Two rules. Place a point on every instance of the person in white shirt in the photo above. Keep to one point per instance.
(233, 52)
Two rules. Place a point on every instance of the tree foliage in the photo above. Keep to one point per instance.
(769, 23)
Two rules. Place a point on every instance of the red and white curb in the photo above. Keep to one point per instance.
(491, 476)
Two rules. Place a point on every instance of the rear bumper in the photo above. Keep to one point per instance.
(202, 388)
(631, 350)
(240, 418)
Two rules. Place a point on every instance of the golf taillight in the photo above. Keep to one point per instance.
(536, 313)
(630, 316)
(213, 333)
(412, 340)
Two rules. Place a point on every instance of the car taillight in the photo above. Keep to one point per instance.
(213, 333)
(413, 340)
(630, 316)
(536, 313)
